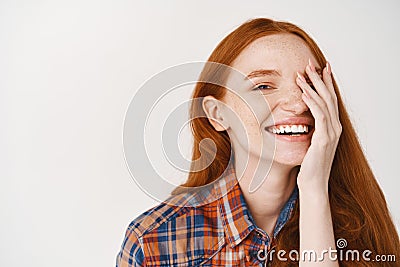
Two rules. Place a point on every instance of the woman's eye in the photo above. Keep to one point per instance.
(263, 87)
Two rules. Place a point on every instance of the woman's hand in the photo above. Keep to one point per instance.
(316, 166)
(315, 221)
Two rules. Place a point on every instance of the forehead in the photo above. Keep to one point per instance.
(278, 51)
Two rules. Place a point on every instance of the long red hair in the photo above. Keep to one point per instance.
(359, 210)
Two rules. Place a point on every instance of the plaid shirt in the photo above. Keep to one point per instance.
(220, 233)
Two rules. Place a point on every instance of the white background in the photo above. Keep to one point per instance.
(68, 70)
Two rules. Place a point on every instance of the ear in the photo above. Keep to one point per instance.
(213, 109)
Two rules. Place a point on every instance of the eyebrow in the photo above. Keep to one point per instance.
(273, 72)
(263, 72)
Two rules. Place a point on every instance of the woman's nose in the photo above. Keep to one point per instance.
(292, 101)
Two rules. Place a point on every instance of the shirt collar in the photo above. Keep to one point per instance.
(236, 217)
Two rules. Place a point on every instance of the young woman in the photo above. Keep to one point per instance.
(289, 183)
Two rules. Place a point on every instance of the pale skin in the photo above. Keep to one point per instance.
(306, 163)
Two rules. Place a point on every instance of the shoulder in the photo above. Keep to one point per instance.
(171, 234)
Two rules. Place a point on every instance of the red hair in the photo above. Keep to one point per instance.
(359, 210)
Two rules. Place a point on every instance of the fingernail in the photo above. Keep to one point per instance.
(301, 77)
(328, 68)
(311, 65)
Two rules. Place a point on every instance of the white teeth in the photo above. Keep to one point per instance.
(301, 128)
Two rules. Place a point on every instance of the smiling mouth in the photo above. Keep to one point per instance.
(290, 129)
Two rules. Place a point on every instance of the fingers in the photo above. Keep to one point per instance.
(319, 115)
(316, 80)
(321, 87)
(326, 92)
(327, 78)
(317, 107)
(301, 81)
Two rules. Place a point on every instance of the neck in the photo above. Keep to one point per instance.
(268, 191)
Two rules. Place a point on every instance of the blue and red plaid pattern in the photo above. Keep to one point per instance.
(219, 233)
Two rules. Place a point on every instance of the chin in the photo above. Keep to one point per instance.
(291, 159)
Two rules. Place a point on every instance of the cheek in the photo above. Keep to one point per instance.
(250, 110)
(256, 109)
(238, 110)
(274, 100)
(251, 117)
(242, 120)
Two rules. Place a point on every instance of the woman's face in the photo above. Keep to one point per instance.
(268, 117)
